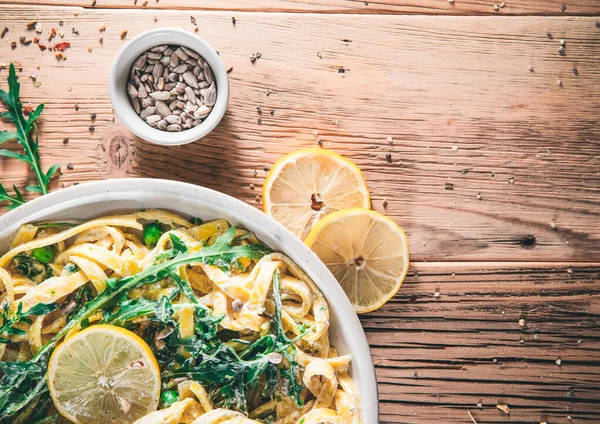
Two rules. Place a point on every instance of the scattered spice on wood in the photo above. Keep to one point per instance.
(70, 166)
(496, 7)
(255, 56)
(464, 171)
(571, 393)
(266, 168)
(320, 142)
(412, 299)
(522, 322)
(76, 13)
(385, 203)
(76, 106)
(598, 24)
(502, 5)
(102, 27)
(229, 69)
(4, 31)
(52, 34)
(62, 46)
(37, 84)
(259, 121)
(390, 140)
(62, 34)
(65, 140)
(503, 408)
(233, 20)
(75, 31)
(320, 56)
(252, 187)
(562, 51)
(91, 128)
(449, 186)
(93, 3)
(93, 116)
(511, 180)
(193, 20)
(558, 362)
(258, 109)
(575, 71)
(30, 25)
(560, 83)
(42, 47)
(553, 225)
(13, 45)
(123, 34)
(272, 113)
(530, 68)
(478, 196)
(269, 91)
(563, 43)
(341, 71)
(563, 8)
(196, 30)
(471, 416)
(61, 23)
(90, 48)
(24, 40)
(257, 199)
(145, 3)
(155, 19)
(549, 35)
(100, 39)
(388, 157)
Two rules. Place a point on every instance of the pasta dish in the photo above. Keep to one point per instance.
(151, 318)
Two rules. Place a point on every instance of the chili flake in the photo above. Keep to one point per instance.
(62, 46)
(42, 46)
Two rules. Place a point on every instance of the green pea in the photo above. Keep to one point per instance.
(168, 397)
(44, 254)
(152, 233)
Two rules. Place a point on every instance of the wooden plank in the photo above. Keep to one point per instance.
(451, 339)
(454, 93)
(437, 7)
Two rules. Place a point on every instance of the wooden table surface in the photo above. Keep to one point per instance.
(494, 172)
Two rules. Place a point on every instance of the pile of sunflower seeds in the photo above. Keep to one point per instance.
(172, 88)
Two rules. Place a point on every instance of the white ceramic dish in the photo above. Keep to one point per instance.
(90, 200)
(119, 73)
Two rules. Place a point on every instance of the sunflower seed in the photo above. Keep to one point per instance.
(174, 60)
(153, 119)
(148, 101)
(190, 52)
(161, 95)
(143, 78)
(139, 63)
(146, 112)
(157, 71)
(159, 49)
(165, 60)
(182, 55)
(161, 125)
(132, 91)
(161, 83)
(189, 122)
(208, 73)
(136, 105)
(168, 51)
(174, 127)
(172, 77)
(142, 92)
(180, 69)
(173, 105)
(202, 112)
(162, 108)
(190, 79)
(190, 94)
(173, 119)
(211, 96)
(153, 55)
(190, 107)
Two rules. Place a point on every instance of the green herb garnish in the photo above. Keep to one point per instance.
(9, 319)
(24, 128)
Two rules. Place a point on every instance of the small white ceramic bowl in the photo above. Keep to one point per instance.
(90, 200)
(119, 74)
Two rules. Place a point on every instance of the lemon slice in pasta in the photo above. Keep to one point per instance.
(309, 184)
(366, 252)
(104, 374)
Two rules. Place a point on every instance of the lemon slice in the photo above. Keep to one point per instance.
(104, 374)
(309, 184)
(366, 252)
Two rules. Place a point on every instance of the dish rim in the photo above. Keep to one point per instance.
(115, 190)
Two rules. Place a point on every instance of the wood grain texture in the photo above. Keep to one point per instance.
(441, 7)
(454, 93)
(451, 340)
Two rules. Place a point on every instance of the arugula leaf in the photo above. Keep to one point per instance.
(24, 127)
(9, 320)
(21, 383)
(15, 201)
(178, 245)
